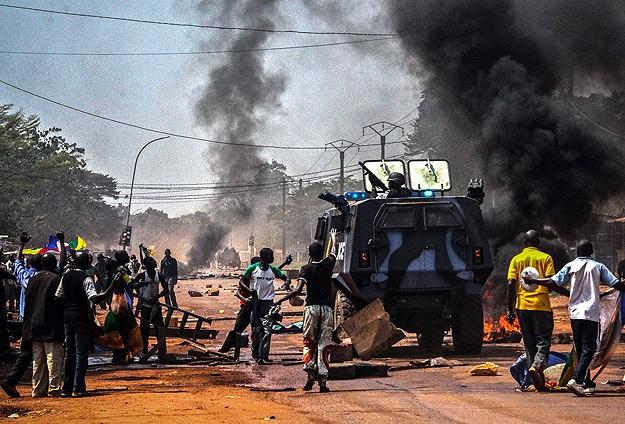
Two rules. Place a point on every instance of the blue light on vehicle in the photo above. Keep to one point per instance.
(356, 195)
(427, 193)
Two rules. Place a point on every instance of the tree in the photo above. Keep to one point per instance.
(443, 131)
(47, 186)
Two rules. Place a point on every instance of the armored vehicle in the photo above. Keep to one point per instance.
(424, 254)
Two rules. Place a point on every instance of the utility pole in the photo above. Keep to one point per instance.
(386, 129)
(342, 146)
(283, 218)
(251, 241)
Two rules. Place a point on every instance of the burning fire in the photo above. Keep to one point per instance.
(499, 329)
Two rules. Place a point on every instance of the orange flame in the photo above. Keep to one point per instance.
(499, 328)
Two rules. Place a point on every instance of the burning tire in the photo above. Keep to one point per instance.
(468, 326)
(343, 308)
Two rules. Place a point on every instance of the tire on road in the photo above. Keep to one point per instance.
(468, 326)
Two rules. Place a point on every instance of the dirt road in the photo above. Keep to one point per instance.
(252, 393)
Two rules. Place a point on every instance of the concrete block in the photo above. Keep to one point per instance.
(371, 330)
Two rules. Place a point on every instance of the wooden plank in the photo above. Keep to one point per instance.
(170, 312)
(183, 323)
(206, 353)
(198, 327)
(187, 333)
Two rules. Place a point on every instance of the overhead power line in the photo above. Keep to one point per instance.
(193, 53)
(191, 25)
(155, 131)
(182, 198)
(157, 200)
(589, 119)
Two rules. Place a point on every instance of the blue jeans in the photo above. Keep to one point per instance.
(77, 338)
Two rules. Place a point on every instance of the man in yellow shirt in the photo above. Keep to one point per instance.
(533, 308)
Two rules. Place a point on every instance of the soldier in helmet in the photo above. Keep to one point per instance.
(396, 189)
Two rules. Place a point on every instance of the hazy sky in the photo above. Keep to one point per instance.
(331, 92)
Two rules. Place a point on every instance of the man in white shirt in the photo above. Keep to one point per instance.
(258, 279)
(584, 275)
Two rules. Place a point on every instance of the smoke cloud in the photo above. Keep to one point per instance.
(206, 243)
(238, 95)
(503, 66)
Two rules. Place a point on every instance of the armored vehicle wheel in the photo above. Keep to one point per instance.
(343, 308)
(468, 326)
(431, 338)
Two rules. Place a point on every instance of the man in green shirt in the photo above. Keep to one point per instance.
(259, 279)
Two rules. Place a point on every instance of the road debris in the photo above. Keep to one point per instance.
(437, 362)
(485, 369)
(212, 292)
(194, 293)
(371, 330)
(352, 370)
(342, 353)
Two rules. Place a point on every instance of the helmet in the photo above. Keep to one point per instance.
(266, 255)
(396, 180)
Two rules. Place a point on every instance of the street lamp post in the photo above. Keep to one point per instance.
(134, 171)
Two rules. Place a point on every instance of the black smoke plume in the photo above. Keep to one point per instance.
(238, 95)
(206, 243)
(503, 65)
(503, 62)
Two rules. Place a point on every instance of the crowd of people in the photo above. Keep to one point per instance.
(57, 302)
